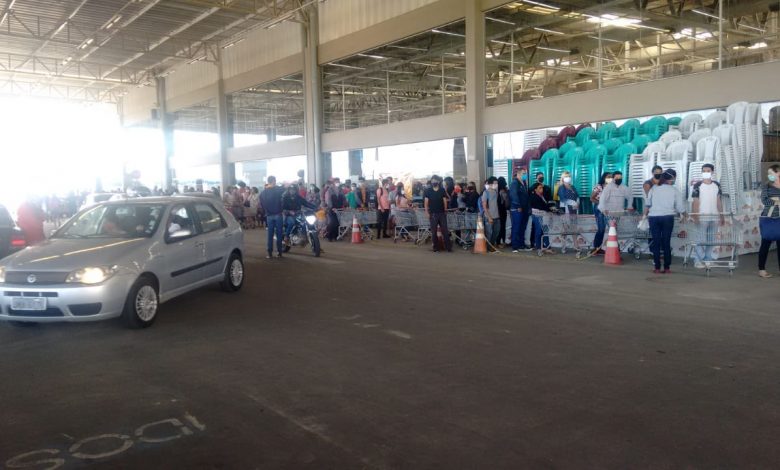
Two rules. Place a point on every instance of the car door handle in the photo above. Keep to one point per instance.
(227, 235)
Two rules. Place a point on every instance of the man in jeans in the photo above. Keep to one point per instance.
(706, 212)
(271, 199)
(436, 209)
(490, 207)
(519, 209)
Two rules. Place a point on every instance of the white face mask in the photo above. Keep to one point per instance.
(608, 180)
(567, 179)
(487, 186)
(706, 176)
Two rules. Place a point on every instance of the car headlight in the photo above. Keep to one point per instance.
(91, 275)
(310, 219)
(2, 275)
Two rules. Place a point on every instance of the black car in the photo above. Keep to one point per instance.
(11, 237)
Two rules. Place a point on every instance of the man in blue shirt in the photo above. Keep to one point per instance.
(519, 209)
(271, 200)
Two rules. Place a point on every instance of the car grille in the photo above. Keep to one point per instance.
(49, 312)
(41, 278)
(81, 310)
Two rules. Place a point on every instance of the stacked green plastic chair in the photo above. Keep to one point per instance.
(585, 134)
(564, 163)
(586, 174)
(618, 161)
(613, 144)
(655, 127)
(641, 142)
(606, 131)
(589, 145)
(544, 164)
(567, 146)
(675, 121)
(629, 130)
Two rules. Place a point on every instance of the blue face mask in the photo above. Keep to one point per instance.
(771, 178)
(524, 177)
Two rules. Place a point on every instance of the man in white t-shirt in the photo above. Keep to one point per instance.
(707, 212)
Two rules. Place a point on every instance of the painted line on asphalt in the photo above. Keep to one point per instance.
(399, 334)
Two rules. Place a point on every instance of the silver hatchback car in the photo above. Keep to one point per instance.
(123, 258)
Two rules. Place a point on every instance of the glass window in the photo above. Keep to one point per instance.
(210, 219)
(180, 220)
(114, 221)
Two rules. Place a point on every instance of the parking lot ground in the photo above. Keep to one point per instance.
(383, 356)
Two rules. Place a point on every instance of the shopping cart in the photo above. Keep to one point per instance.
(367, 220)
(631, 238)
(405, 221)
(345, 217)
(423, 226)
(712, 236)
(564, 228)
(468, 229)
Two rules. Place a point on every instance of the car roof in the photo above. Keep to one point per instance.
(161, 199)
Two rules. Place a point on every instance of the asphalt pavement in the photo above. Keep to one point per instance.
(383, 356)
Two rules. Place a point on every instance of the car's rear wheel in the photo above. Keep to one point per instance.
(234, 274)
(142, 304)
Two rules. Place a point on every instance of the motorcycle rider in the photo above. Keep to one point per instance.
(292, 203)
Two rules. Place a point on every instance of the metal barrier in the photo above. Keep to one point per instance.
(345, 217)
(423, 226)
(404, 221)
(627, 224)
(706, 233)
(567, 228)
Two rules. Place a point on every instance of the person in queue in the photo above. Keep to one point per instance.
(616, 197)
(655, 180)
(490, 208)
(663, 203)
(519, 209)
(540, 206)
(471, 197)
(601, 221)
(567, 195)
(707, 213)
(770, 197)
(401, 201)
(352, 200)
(383, 209)
(362, 194)
(271, 199)
(503, 211)
(435, 202)
(548, 196)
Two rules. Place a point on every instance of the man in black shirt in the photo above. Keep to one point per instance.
(271, 199)
(436, 208)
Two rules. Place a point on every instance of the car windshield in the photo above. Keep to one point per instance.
(114, 221)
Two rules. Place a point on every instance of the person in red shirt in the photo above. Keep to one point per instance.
(30, 218)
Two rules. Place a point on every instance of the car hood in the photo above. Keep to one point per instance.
(70, 254)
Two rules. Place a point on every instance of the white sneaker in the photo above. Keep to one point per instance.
(699, 265)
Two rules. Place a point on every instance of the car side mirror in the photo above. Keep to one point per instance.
(179, 234)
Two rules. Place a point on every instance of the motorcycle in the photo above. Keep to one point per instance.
(304, 232)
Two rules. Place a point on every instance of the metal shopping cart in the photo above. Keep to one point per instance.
(468, 229)
(564, 228)
(631, 238)
(711, 236)
(345, 217)
(367, 220)
(423, 226)
(405, 221)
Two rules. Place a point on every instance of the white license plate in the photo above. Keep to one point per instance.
(28, 303)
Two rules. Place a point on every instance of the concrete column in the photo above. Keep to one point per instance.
(312, 96)
(166, 127)
(356, 162)
(459, 168)
(475, 91)
(227, 171)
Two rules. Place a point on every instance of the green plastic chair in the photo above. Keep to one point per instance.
(674, 121)
(606, 131)
(641, 142)
(629, 130)
(655, 127)
(589, 145)
(612, 163)
(585, 134)
(567, 146)
(585, 175)
(544, 164)
(613, 144)
(564, 163)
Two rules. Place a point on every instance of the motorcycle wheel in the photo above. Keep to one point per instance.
(315, 245)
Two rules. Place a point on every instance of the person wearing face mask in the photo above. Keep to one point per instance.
(539, 208)
(546, 194)
(567, 195)
(436, 209)
(601, 221)
(663, 203)
(362, 194)
(770, 216)
(616, 197)
(383, 209)
(655, 180)
(503, 211)
(519, 210)
(707, 210)
(491, 211)
(471, 197)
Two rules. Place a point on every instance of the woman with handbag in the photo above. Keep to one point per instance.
(770, 219)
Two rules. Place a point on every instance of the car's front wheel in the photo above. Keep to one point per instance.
(234, 274)
(142, 304)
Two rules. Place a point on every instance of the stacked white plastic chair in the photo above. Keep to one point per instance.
(670, 136)
(640, 170)
(690, 124)
(707, 149)
(715, 119)
(755, 134)
(677, 157)
(737, 116)
(656, 147)
(698, 135)
(728, 167)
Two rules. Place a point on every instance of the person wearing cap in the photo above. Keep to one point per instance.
(435, 200)
(663, 203)
(707, 210)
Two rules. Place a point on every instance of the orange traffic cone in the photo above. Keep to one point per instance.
(356, 238)
(612, 257)
(480, 244)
